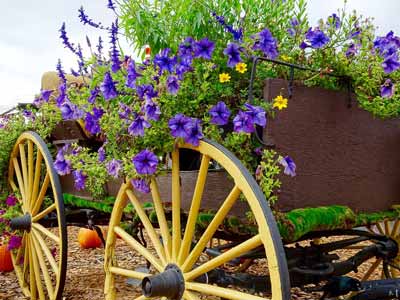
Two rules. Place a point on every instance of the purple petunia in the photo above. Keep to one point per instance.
(317, 38)
(92, 120)
(138, 125)
(14, 242)
(132, 74)
(172, 85)
(204, 48)
(351, 50)
(141, 185)
(387, 45)
(289, 165)
(180, 125)
(164, 61)
(79, 180)
(145, 162)
(93, 95)
(70, 111)
(11, 200)
(108, 87)
(334, 20)
(257, 114)
(391, 64)
(186, 48)
(102, 154)
(266, 43)
(146, 91)
(114, 167)
(219, 113)
(45, 95)
(195, 133)
(387, 89)
(233, 53)
(62, 165)
(243, 122)
(152, 110)
(124, 111)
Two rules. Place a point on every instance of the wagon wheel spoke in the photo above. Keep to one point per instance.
(39, 228)
(38, 280)
(44, 213)
(37, 203)
(187, 295)
(128, 273)
(139, 248)
(176, 205)
(154, 237)
(47, 252)
(368, 274)
(21, 186)
(24, 168)
(212, 228)
(36, 180)
(162, 221)
(213, 290)
(194, 209)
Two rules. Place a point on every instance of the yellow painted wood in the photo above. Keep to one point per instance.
(232, 253)
(128, 273)
(194, 209)
(18, 271)
(44, 213)
(24, 167)
(43, 267)
(371, 269)
(32, 279)
(212, 228)
(176, 206)
(395, 229)
(162, 221)
(46, 232)
(141, 298)
(30, 170)
(380, 229)
(38, 202)
(139, 248)
(21, 249)
(21, 185)
(154, 237)
(225, 293)
(190, 296)
(36, 181)
(26, 257)
(47, 252)
(36, 269)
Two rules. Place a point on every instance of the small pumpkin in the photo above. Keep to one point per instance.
(5, 259)
(88, 238)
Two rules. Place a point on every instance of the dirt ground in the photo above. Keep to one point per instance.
(85, 276)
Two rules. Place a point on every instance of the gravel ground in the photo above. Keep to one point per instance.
(85, 275)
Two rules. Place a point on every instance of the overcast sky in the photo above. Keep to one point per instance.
(29, 43)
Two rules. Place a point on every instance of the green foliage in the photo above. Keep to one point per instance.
(267, 175)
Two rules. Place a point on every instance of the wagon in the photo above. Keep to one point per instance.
(206, 229)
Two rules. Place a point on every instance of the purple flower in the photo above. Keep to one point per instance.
(243, 122)
(186, 48)
(84, 18)
(387, 89)
(45, 94)
(334, 20)
(317, 38)
(100, 46)
(220, 113)
(388, 44)
(303, 45)
(289, 165)
(62, 97)
(60, 72)
(62, 165)
(11, 200)
(115, 62)
(257, 114)
(125, 111)
(102, 154)
(137, 126)
(70, 111)
(108, 87)
(14, 242)
(92, 123)
(164, 62)
(111, 5)
(65, 40)
(141, 185)
(233, 53)
(146, 91)
(266, 43)
(80, 180)
(293, 30)
(113, 167)
(391, 64)
(28, 114)
(237, 34)
(351, 50)
(172, 85)
(184, 65)
(195, 133)
(152, 110)
(93, 95)
(204, 48)
(132, 74)
(180, 125)
(145, 162)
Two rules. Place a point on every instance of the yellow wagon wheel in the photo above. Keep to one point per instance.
(174, 256)
(41, 261)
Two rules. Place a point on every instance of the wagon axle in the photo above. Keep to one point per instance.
(22, 223)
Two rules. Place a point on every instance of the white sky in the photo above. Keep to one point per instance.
(30, 44)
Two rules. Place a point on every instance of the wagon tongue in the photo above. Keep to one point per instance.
(21, 223)
(169, 283)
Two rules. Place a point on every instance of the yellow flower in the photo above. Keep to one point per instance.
(224, 77)
(285, 57)
(280, 102)
(241, 67)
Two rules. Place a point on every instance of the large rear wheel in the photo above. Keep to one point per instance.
(175, 248)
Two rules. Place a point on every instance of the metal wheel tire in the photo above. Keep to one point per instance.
(41, 261)
(175, 246)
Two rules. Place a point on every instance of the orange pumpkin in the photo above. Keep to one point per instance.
(5, 260)
(88, 238)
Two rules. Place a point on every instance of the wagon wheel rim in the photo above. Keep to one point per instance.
(176, 248)
(41, 261)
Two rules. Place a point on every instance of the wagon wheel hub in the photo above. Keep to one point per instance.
(169, 283)
(22, 223)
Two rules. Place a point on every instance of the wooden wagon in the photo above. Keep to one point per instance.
(209, 231)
